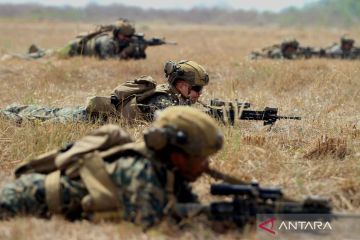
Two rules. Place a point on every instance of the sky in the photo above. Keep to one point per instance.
(261, 5)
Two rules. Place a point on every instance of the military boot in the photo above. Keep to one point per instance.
(33, 48)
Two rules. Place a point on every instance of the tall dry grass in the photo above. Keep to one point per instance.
(318, 155)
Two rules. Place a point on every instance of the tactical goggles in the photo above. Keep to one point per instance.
(197, 88)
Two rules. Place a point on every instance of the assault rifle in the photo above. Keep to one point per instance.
(309, 52)
(140, 44)
(84, 37)
(227, 111)
(250, 200)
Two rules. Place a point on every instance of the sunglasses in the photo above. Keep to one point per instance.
(197, 88)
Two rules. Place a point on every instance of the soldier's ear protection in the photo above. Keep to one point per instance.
(174, 70)
(159, 138)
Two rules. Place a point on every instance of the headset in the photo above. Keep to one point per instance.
(159, 138)
(173, 70)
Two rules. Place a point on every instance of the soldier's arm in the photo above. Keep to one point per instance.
(184, 193)
(128, 51)
(142, 194)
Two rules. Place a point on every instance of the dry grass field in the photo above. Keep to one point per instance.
(319, 155)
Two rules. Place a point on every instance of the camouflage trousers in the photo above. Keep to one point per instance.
(30, 56)
(19, 113)
(68, 50)
(26, 196)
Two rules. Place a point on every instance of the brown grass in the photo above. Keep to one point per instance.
(294, 154)
(335, 147)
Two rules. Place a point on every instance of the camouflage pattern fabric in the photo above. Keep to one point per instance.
(30, 56)
(141, 185)
(161, 101)
(335, 51)
(34, 112)
(26, 195)
(105, 47)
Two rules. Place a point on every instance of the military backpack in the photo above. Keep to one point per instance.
(124, 99)
(84, 159)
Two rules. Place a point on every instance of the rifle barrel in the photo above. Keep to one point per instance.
(285, 117)
(226, 178)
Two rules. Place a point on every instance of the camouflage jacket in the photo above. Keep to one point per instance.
(141, 183)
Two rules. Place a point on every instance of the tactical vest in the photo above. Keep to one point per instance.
(86, 160)
(129, 95)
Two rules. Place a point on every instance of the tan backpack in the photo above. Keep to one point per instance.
(123, 100)
(86, 36)
(84, 159)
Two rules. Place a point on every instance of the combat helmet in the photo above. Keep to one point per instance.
(289, 42)
(346, 39)
(189, 71)
(123, 26)
(185, 128)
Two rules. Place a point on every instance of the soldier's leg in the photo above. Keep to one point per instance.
(34, 48)
(34, 112)
(70, 114)
(26, 196)
(69, 50)
(17, 112)
(10, 116)
(31, 112)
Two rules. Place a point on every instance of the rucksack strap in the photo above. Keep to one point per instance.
(52, 192)
(169, 188)
(103, 192)
(102, 195)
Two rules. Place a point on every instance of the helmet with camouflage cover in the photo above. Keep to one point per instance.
(185, 128)
(123, 26)
(289, 42)
(346, 39)
(189, 71)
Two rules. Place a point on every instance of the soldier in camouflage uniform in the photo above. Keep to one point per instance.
(103, 45)
(344, 50)
(142, 182)
(185, 82)
(288, 49)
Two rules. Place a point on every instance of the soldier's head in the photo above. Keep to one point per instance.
(188, 77)
(188, 136)
(346, 43)
(123, 29)
(289, 46)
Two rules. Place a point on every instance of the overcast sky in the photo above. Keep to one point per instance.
(272, 5)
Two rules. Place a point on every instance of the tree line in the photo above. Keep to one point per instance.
(325, 12)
